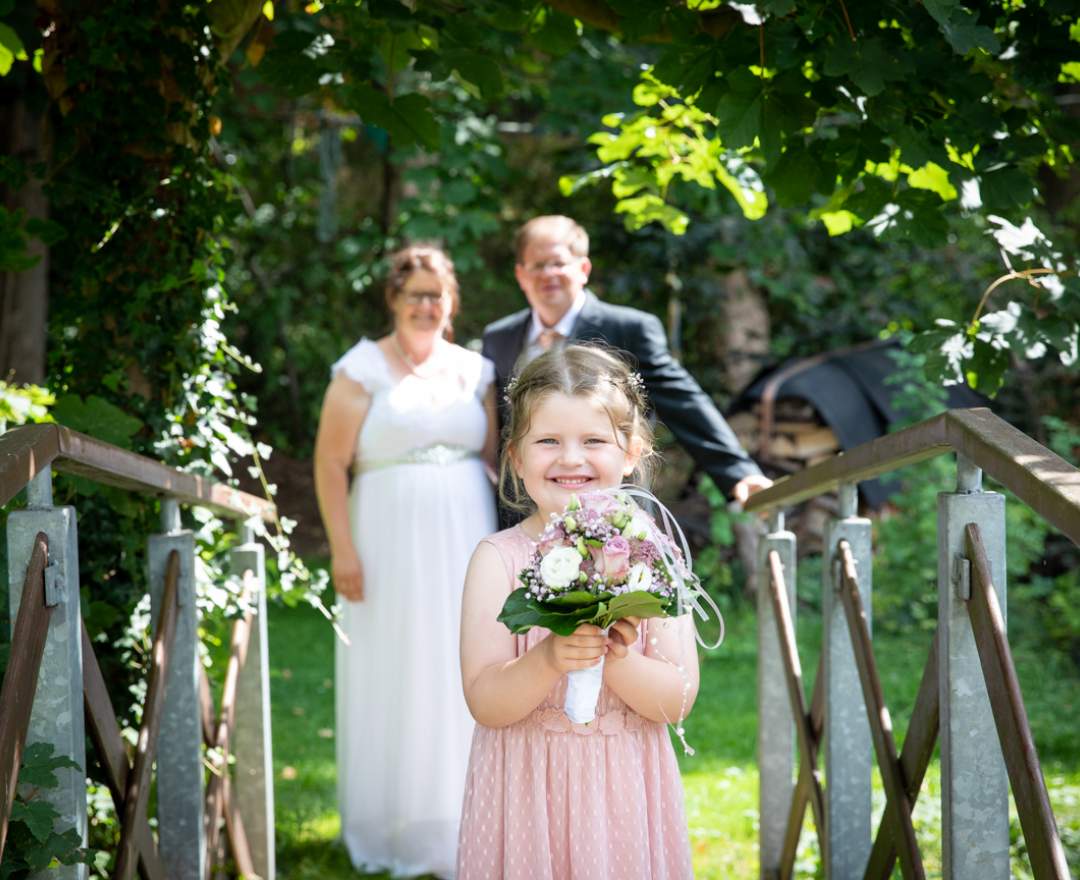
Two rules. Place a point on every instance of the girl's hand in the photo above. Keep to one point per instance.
(348, 576)
(621, 635)
(580, 650)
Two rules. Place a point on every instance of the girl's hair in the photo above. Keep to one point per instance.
(577, 371)
(423, 257)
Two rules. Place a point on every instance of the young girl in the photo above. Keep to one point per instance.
(546, 799)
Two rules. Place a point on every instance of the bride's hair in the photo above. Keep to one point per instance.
(577, 371)
(423, 257)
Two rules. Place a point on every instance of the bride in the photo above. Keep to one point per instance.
(412, 417)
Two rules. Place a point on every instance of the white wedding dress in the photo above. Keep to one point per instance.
(419, 505)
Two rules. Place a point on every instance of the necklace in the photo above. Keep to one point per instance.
(413, 366)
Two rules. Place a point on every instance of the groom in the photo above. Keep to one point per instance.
(552, 270)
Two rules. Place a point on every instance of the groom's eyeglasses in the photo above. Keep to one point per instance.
(418, 297)
(544, 265)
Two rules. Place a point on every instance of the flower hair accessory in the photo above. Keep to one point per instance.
(508, 389)
(636, 383)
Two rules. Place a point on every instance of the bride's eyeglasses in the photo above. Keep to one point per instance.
(421, 297)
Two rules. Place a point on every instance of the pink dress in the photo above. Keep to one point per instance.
(546, 799)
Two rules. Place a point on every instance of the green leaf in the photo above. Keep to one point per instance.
(632, 179)
(574, 599)
(926, 226)
(289, 65)
(650, 208)
(11, 48)
(746, 189)
(792, 178)
(36, 815)
(39, 765)
(872, 196)
(557, 35)
(739, 110)
(933, 177)
(481, 71)
(1005, 188)
(407, 119)
(915, 149)
(48, 231)
(838, 222)
(985, 370)
(961, 28)
(779, 8)
(570, 184)
(941, 10)
(97, 417)
(636, 604)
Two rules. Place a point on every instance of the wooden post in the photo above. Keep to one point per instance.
(57, 716)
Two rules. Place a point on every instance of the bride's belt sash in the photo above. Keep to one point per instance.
(554, 720)
(437, 454)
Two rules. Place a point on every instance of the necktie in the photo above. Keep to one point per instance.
(548, 338)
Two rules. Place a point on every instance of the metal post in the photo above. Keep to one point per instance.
(847, 743)
(57, 716)
(974, 784)
(776, 730)
(253, 780)
(181, 835)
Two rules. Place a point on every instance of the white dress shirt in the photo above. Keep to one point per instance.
(564, 327)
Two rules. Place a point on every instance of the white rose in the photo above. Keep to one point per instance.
(640, 577)
(560, 568)
(639, 527)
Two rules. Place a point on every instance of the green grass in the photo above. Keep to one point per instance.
(720, 779)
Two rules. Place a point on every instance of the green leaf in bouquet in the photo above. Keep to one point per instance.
(636, 604)
(565, 624)
(576, 598)
(517, 611)
(521, 613)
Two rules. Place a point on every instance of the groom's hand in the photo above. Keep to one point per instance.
(748, 486)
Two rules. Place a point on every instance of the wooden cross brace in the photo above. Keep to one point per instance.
(129, 782)
(21, 677)
(808, 724)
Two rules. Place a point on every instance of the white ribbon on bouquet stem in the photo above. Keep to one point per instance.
(688, 594)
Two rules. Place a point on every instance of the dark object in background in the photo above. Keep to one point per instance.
(807, 409)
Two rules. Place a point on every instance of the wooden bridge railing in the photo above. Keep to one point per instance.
(969, 698)
(54, 691)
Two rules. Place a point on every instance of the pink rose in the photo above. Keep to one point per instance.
(601, 503)
(551, 539)
(615, 561)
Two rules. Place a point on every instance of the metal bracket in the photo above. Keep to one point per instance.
(55, 589)
(962, 577)
(837, 574)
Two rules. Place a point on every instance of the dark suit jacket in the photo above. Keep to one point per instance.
(678, 400)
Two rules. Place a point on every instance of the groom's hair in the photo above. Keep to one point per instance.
(562, 229)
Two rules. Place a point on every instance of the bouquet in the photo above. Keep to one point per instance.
(601, 560)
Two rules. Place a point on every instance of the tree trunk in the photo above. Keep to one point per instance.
(742, 340)
(24, 296)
